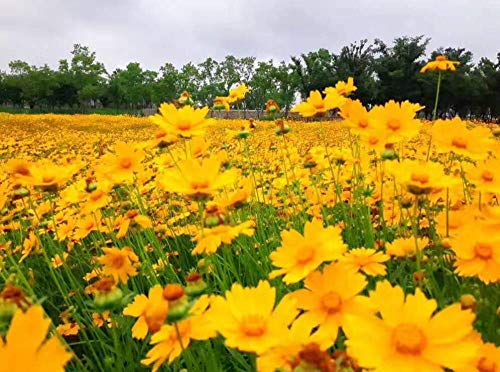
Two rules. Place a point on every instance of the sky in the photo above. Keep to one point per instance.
(153, 32)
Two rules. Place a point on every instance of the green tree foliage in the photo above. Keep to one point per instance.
(381, 72)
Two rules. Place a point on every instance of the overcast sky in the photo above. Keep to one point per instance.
(153, 32)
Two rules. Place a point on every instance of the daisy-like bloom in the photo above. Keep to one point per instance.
(238, 93)
(299, 255)
(248, 319)
(441, 63)
(284, 357)
(221, 103)
(329, 296)
(356, 117)
(454, 136)
(487, 361)
(96, 199)
(343, 88)
(87, 224)
(420, 177)
(408, 336)
(477, 250)
(131, 217)
(119, 263)
(315, 105)
(48, 176)
(367, 260)
(197, 179)
(397, 120)
(185, 122)
(151, 311)
(25, 348)
(123, 164)
(406, 247)
(209, 240)
(167, 345)
(18, 169)
(486, 176)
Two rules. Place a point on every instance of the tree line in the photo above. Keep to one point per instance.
(381, 72)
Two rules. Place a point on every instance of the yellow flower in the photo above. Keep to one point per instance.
(408, 337)
(367, 260)
(168, 346)
(197, 179)
(186, 122)
(486, 176)
(316, 105)
(299, 255)
(356, 117)
(238, 93)
(209, 240)
(123, 164)
(119, 263)
(441, 63)
(478, 252)
(454, 136)
(406, 247)
(329, 296)
(151, 312)
(284, 356)
(397, 120)
(132, 216)
(48, 176)
(25, 348)
(248, 320)
(420, 177)
(343, 88)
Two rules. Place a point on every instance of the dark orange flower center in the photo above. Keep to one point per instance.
(319, 106)
(306, 256)
(96, 195)
(117, 261)
(363, 123)
(408, 339)
(126, 163)
(48, 179)
(373, 140)
(331, 302)
(253, 325)
(441, 58)
(420, 177)
(483, 250)
(394, 124)
(459, 142)
(184, 125)
(196, 185)
(487, 176)
(486, 365)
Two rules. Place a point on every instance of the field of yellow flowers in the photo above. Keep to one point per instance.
(179, 242)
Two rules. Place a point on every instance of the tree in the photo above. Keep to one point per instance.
(88, 74)
(398, 68)
(357, 61)
(314, 71)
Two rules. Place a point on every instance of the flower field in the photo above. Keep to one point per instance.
(370, 241)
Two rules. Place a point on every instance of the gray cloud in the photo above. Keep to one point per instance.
(153, 32)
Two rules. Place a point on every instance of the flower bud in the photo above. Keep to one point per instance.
(195, 284)
(107, 295)
(177, 302)
(468, 301)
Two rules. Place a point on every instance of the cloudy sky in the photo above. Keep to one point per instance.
(155, 31)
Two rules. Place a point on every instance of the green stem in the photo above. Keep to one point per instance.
(434, 112)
